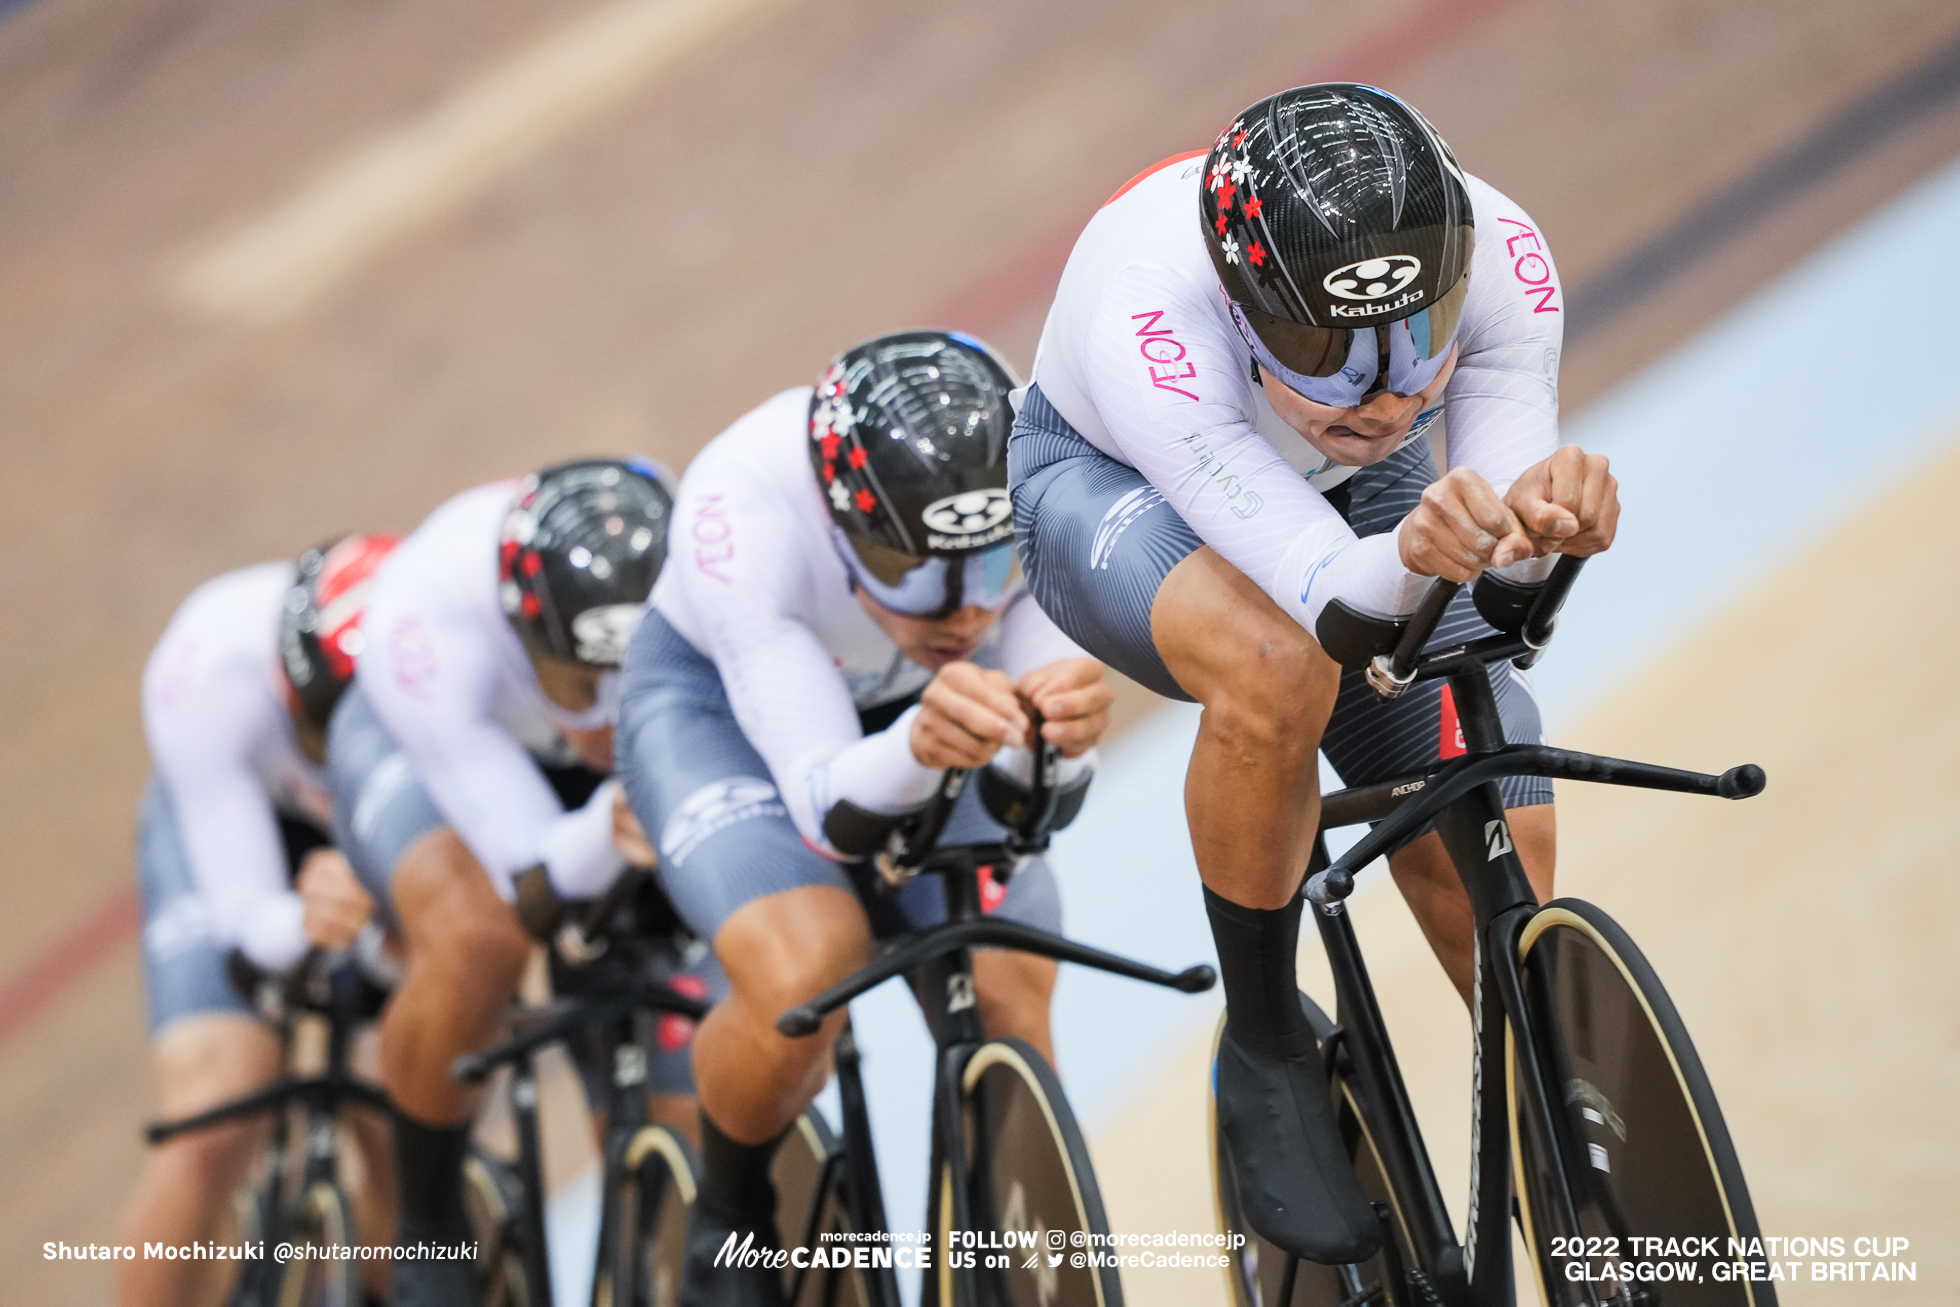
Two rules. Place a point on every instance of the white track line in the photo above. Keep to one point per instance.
(386, 189)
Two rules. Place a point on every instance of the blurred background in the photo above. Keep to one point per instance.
(274, 270)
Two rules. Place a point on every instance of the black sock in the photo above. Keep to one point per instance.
(429, 1170)
(1256, 947)
(736, 1182)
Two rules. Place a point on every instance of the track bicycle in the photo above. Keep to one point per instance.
(1009, 1168)
(297, 1197)
(610, 966)
(1593, 1120)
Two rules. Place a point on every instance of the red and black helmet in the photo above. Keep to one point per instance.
(320, 622)
(1341, 230)
(908, 438)
(579, 553)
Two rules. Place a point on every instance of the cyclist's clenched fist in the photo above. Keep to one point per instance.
(1568, 504)
(1460, 527)
(965, 715)
(1074, 699)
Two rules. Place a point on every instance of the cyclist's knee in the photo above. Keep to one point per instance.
(1262, 679)
(1276, 694)
(208, 1058)
(450, 912)
(786, 948)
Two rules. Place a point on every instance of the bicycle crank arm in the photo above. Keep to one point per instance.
(1461, 775)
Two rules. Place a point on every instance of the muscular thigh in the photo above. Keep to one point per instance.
(1096, 541)
(381, 808)
(703, 793)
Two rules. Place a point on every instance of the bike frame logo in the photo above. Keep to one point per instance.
(1497, 838)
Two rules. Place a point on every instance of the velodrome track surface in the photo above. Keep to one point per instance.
(709, 219)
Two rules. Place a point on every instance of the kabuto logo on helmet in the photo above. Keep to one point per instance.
(1372, 279)
(968, 520)
(604, 632)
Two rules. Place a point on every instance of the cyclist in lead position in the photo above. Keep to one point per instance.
(842, 621)
(233, 855)
(470, 767)
(1227, 431)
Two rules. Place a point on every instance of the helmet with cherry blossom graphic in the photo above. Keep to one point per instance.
(320, 621)
(908, 438)
(580, 550)
(1341, 229)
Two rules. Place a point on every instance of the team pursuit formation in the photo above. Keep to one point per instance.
(664, 771)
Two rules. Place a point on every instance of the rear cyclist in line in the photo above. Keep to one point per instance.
(236, 697)
(842, 621)
(1226, 433)
(471, 759)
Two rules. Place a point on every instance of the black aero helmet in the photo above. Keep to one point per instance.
(579, 553)
(1341, 229)
(908, 438)
(320, 621)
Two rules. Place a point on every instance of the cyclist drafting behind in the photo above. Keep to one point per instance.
(472, 755)
(1225, 432)
(236, 697)
(843, 620)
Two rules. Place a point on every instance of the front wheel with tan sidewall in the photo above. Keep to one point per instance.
(1258, 1272)
(323, 1226)
(494, 1198)
(657, 1179)
(1649, 1157)
(1029, 1188)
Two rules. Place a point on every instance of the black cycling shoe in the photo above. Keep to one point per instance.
(728, 1261)
(1296, 1186)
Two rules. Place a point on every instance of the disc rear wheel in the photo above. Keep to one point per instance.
(1645, 1149)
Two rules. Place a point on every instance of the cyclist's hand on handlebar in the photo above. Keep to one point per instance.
(335, 904)
(1569, 504)
(629, 837)
(1074, 699)
(1460, 528)
(965, 715)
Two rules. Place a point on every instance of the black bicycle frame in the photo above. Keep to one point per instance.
(1462, 798)
(320, 1098)
(626, 1109)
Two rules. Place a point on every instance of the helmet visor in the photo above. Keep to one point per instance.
(1342, 366)
(936, 586)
